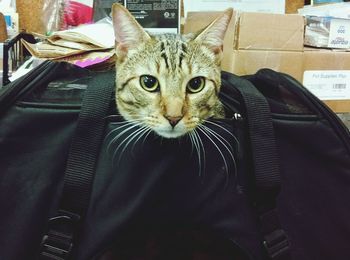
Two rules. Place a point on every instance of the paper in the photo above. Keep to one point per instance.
(44, 50)
(328, 84)
(91, 59)
(99, 34)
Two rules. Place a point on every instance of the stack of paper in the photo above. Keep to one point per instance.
(85, 46)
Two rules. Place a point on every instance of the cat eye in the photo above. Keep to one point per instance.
(149, 83)
(196, 84)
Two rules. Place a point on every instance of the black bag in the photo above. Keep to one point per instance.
(77, 182)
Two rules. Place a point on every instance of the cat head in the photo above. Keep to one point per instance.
(168, 83)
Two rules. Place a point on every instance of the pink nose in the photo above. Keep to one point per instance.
(173, 120)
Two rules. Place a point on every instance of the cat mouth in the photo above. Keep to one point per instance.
(170, 132)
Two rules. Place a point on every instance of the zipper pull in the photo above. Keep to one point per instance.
(237, 117)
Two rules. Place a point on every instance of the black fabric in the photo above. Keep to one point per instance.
(154, 186)
(86, 144)
(80, 169)
(262, 139)
(35, 137)
(38, 78)
(313, 147)
(266, 168)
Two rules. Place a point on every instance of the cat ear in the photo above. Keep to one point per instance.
(213, 35)
(128, 32)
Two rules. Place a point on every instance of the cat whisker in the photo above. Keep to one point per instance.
(221, 138)
(223, 128)
(116, 130)
(227, 131)
(225, 144)
(191, 139)
(112, 116)
(197, 142)
(201, 145)
(129, 127)
(148, 133)
(194, 146)
(127, 141)
(202, 129)
(144, 134)
(122, 124)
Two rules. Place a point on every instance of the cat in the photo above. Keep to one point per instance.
(168, 83)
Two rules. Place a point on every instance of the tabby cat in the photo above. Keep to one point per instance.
(168, 83)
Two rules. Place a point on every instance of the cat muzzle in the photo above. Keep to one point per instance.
(173, 120)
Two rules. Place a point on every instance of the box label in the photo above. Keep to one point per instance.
(339, 34)
(156, 16)
(328, 84)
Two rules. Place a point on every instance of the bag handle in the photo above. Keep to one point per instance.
(266, 167)
(63, 229)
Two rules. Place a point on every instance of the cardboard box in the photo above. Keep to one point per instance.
(255, 41)
(250, 61)
(330, 64)
(250, 46)
(259, 31)
(196, 21)
(266, 6)
(255, 31)
(30, 15)
(292, 6)
(318, 59)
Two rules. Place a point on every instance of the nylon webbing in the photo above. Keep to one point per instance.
(261, 132)
(82, 158)
(266, 168)
(86, 144)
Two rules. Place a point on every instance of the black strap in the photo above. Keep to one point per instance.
(63, 228)
(266, 168)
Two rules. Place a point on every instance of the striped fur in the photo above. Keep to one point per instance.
(173, 60)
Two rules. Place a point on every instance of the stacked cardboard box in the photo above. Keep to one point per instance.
(335, 64)
(268, 41)
(257, 40)
(196, 21)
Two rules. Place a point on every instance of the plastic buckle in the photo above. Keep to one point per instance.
(58, 242)
(276, 243)
(53, 250)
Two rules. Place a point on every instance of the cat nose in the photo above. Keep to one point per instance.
(173, 120)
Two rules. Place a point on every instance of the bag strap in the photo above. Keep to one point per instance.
(64, 227)
(266, 167)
